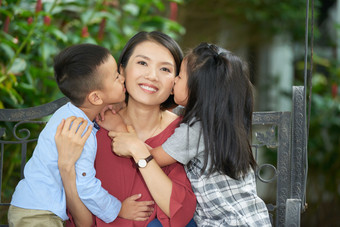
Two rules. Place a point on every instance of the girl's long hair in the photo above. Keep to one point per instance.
(220, 97)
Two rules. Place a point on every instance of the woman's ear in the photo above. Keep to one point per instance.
(121, 70)
(95, 98)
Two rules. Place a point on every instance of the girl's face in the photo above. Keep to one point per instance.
(181, 88)
(150, 73)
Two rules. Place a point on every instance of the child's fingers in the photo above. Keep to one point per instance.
(130, 129)
(135, 197)
(113, 134)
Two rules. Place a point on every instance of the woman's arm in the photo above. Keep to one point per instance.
(69, 151)
(70, 144)
(158, 183)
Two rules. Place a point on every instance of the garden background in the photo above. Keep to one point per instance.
(268, 34)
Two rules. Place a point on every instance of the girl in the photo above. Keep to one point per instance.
(213, 139)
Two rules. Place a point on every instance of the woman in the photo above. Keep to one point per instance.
(149, 62)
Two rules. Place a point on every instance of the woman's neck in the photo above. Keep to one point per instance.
(146, 120)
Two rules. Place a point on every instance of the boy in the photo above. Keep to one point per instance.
(87, 75)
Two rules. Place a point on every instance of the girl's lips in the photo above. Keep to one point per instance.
(148, 88)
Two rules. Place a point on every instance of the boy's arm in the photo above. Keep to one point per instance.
(70, 146)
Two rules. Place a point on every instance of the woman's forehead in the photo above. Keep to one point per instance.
(153, 51)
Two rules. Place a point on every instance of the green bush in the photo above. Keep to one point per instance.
(33, 32)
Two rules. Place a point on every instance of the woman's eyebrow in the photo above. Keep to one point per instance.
(147, 58)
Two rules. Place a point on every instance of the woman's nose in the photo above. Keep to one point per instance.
(151, 75)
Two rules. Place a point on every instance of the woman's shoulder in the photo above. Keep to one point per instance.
(169, 117)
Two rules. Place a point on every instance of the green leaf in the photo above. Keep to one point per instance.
(19, 65)
(7, 50)
(131, 8)
(59, 35)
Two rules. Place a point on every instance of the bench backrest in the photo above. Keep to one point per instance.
(280, 133)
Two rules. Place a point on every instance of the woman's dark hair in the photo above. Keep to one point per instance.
(159, 38)
(220, 97)
(75, 70)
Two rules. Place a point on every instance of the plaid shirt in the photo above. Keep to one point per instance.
(223, 201)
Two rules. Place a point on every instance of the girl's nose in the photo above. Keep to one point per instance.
(176, 79)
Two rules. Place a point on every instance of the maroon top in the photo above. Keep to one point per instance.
(121, 178)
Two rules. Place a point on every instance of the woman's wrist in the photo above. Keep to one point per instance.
(140, 152)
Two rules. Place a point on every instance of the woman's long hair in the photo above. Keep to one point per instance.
(220, 97)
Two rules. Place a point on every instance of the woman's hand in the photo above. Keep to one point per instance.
(136, 210)
(69, 140)
(127, 144)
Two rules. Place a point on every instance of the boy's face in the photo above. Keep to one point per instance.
(181, 88)
(112, 82)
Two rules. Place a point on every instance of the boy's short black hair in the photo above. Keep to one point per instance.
(75, 70)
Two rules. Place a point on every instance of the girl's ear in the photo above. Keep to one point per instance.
(95, 98)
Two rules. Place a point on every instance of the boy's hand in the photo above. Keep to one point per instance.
(115, 108)
(69, 140)
(125, 143)
(136, 210)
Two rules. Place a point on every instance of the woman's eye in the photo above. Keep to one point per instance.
(166, 70)
(142, 63)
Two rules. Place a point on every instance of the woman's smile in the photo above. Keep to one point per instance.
(148, 88)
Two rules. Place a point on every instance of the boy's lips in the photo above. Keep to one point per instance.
(148, 88)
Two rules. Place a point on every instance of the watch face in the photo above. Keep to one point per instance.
(142, 163)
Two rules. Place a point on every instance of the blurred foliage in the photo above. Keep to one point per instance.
(261, 19)
(33, 32)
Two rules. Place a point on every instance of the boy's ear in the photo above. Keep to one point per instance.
(95, 98)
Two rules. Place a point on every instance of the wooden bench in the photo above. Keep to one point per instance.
(280, 133)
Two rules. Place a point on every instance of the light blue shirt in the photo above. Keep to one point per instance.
(42, 187)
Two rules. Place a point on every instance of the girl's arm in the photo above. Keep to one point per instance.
(161, 157)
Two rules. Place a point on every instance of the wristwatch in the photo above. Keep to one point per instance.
(143, 162)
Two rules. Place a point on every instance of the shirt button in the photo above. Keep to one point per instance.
(84, 174)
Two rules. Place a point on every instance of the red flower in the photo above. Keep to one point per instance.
(334, 90)
(173, 11)
(6, 24)
(38, 6)
(30, 20)
(101, 29)
(84, 32)
(47, 20)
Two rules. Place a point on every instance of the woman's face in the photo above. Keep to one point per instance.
(150, 73)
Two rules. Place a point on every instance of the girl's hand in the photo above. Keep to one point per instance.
(136, 210)
(126, 144)
(69, 140)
